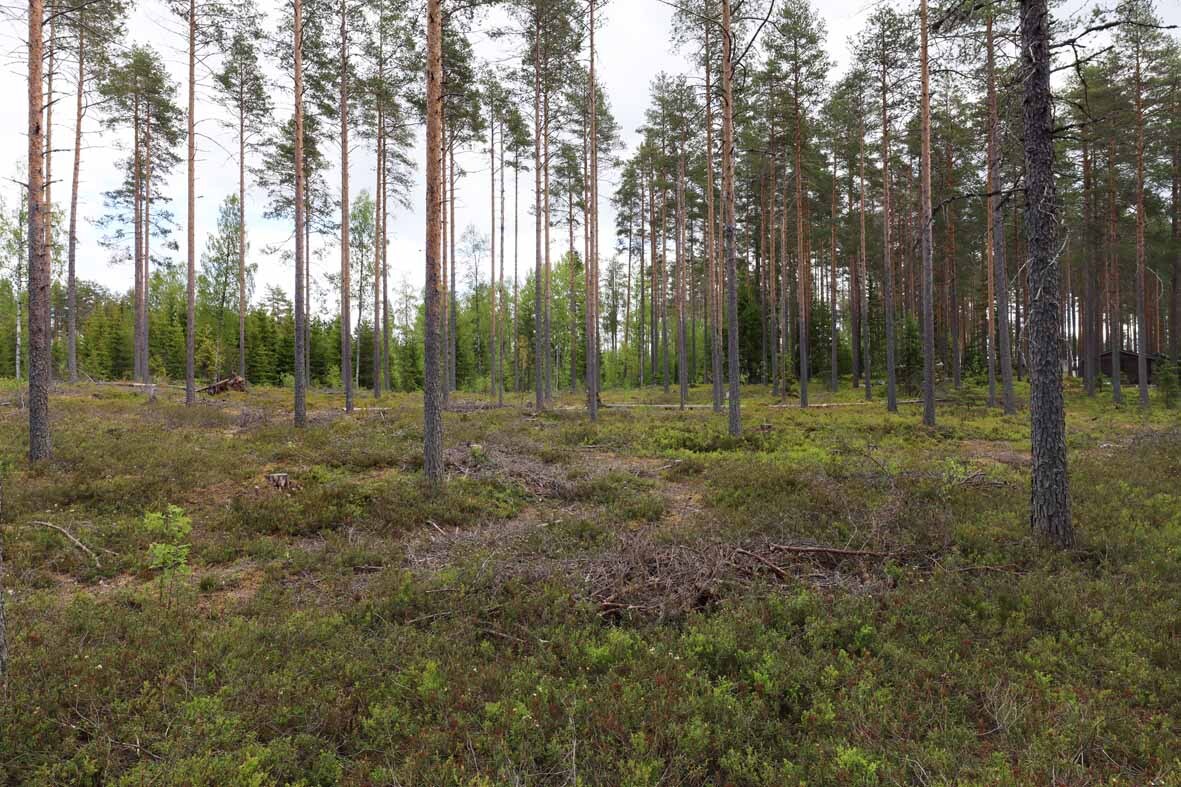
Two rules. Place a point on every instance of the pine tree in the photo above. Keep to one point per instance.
(1050, 501)
(242, 90)
(433, 365)
(728, 214)
(300, 415)
(1140, 38)
(884, 43)
(797, 46)
(1173, 143)
(221, 269)
(927, 219)
(998, 289)
(344, 67)
(137, 89)
(39, 273)
(592, 261)
(96, 29)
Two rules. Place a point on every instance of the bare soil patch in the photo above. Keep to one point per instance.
(999, 452)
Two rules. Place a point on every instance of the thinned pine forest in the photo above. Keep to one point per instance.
(399, 393)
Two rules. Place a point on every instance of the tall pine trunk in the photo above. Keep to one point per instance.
(492, 287)
(887, 218)
(952, 284)
(660, 288)
(1141, 321)
(379, 190)
(592, 273)
(516, 271)
(346, 309)
(641, 336)
(444, 190)
(571, 283)
(1049, 502)
(926, 219)
(863, 261)
(997, 275)
(1175, 288)
(854, 291)
(191, 220)
(664, 350)
(137, 236)
(432, 362)
(453, 307)
(242, 234)
(500, 285)
(39, 270)
(547, 338)
(834, 354)
(728, 217)
(711, 241)
(772, 322)
(1090, 325)
(300, 416)
(146, 272)
(49, 100)
(1002, 311)
(383, 236)
(803, 257)
(539, 350)
(72, 241)
(784, 305)
(627, 304)
(1116, 316)
(682, 367)
(656, 261)
(994, 245)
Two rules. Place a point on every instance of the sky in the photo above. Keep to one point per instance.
(634, 44)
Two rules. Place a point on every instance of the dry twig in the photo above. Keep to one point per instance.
(817, 550)
(76, 542)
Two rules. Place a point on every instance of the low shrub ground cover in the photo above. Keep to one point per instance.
(839, 596)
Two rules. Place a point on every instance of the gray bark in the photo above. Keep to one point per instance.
(432, 361)
(728, 217)
(1002, 311)
(888, 291)
(682, 367)
(379, 194)
(539, 350)
(592, 261)
(190, 228)
(346, 316)
(39, 273)
(928, 285)
(72, 251)
(1049, 502)
(300, 415)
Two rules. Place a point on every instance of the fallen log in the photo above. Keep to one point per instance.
(234, 383)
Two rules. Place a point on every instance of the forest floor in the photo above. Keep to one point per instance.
(840, 596)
